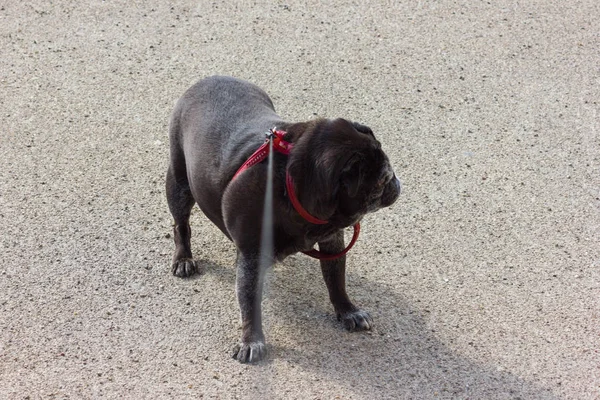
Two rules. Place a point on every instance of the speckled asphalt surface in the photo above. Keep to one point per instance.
(483, 279)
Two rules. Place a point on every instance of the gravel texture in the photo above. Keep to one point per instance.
(483, 279)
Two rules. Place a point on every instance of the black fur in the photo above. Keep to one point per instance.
(340, 173)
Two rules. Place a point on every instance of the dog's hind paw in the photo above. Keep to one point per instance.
(356, 320)
(184, 267)
(250, 352)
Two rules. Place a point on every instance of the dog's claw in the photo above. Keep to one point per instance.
(184, 267)
(356, 320)
(250, 352)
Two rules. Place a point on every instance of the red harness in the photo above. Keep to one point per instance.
(284, 147)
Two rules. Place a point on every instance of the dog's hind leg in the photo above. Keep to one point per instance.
(181, 201)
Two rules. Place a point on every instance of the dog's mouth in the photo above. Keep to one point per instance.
(385, 194)
(391, 192)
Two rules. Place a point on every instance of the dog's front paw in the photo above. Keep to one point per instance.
(250, 352)
(357, 320)
(184, 267)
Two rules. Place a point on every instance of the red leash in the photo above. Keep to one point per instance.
(324, 256)
(284, 147)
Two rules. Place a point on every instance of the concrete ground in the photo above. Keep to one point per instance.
(483, 279)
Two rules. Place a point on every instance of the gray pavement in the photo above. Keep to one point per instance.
(483, 279)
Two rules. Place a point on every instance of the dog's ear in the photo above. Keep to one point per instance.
(363, 129)
(353, 175)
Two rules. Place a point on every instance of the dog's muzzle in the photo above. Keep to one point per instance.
(391, 192)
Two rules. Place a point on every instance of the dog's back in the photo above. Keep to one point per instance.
(215, 126)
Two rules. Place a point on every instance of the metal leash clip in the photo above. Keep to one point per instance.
(270, 135)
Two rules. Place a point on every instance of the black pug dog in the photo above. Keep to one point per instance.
(338, 173)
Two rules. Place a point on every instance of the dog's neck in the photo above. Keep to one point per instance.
(304, 169)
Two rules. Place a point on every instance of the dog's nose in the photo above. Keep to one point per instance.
(397, 183)
(391, 192)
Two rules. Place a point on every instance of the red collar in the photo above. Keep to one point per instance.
(281, 146)
(261, 154)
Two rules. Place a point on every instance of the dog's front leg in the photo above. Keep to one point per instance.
(334, 273)
(249, 286)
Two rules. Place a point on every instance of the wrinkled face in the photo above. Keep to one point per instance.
(346, 170)
(386, 189)
(368, 183)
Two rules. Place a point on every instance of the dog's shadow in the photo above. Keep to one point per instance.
(400, 358)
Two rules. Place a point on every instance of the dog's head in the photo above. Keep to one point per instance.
(341, 171)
